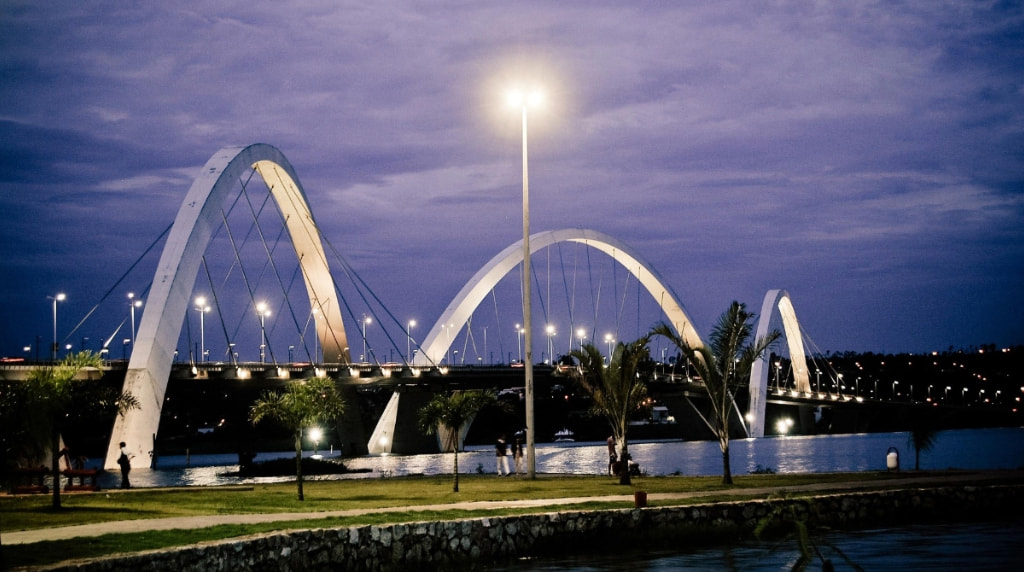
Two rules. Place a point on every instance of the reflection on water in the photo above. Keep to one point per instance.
(946, 546)
(960, 449)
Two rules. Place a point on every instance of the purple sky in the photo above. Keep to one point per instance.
(867, 157)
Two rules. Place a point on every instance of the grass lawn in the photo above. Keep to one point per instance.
(29, 512)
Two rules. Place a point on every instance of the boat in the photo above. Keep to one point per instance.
(564, 436)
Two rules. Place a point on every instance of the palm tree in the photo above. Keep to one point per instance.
(448, 413)
(302, 405)
(51, 396)
(617, 390)
(923, 436)
(723, 366)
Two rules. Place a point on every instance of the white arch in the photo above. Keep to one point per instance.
(169, 297)
(462, 306)
(775, 301)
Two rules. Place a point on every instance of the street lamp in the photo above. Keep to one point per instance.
(58, 298)
(133, 303)
(263, 311)
(202, 308)
(581, 334)
(315, 434)
(366, 320)
(523, 101)
(408, 343)
(316, 335)
(608, 339)
(550, 329)
(519, 341)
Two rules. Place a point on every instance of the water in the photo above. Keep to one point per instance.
(968, 449)
(944, 546)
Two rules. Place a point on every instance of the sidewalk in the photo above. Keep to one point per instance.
(192, 522)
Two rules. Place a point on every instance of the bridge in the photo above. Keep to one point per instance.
(229, 179)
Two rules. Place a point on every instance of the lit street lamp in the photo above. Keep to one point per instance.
(58, 298)
(202, 308)
(316, 336)
(315, 434)
(133, 303)
(408, 341)
(550, 329)
(581, 334)
(366, 320)
(519, 341)
(263, 311)
(608, 339)
(523, 101)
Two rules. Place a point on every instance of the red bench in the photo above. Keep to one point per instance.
(81, 475)
(29, 480)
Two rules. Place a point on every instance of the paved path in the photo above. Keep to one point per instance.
(192, 522)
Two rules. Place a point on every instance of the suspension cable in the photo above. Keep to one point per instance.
(118, 283)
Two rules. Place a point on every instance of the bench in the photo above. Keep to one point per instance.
(29, 480)
(81, 475)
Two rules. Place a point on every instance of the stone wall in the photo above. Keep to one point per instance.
(473, 542)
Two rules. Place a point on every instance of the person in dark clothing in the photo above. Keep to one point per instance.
(501, 455)
(125, 460)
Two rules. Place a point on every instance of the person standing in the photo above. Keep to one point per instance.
(517, 455)
(501, 455)
(125, 460)
(612, 457)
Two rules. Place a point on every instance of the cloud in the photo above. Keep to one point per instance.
(850, 153)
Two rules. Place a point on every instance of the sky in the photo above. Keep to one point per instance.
(867, 157)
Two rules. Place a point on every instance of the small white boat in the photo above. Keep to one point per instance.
(564, 435)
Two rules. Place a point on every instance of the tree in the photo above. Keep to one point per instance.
(617, 390)
(923, 436)
(723, 366)
(448, 413)
(51, 396)
(302, 405)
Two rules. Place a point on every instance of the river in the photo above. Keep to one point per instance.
(966, 449)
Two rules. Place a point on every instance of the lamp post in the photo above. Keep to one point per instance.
(316, 434)
(263, 311)
(523, 101)
(550, 329)
(408, 340)
(608, 339)
(581, 334)
(316, 335)
(202, 308)
(58, 298)
(519, 341)
(448, 335)
(366, 320)
(133, 303)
